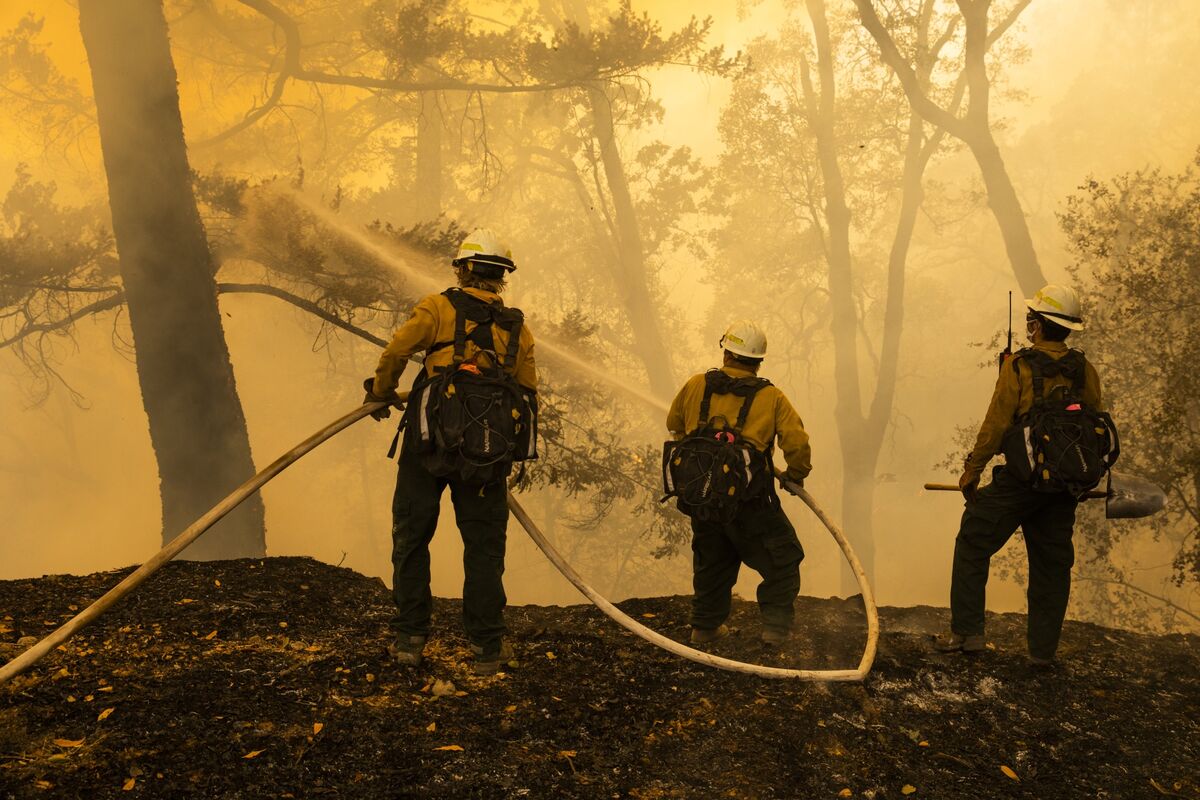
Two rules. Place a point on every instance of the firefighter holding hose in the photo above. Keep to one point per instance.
(471, 413)
(718, 466)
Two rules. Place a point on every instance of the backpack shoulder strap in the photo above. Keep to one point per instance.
(478, 311)
(714, 381)
(1037, 362)
(717, 382)
(511, 320)
(748, 388)
(1075, 368)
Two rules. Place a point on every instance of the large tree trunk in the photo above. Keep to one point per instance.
(974, 129)
(197, 426)
(429, 159)
(1006, 208)
(631, 278)
(848, 413)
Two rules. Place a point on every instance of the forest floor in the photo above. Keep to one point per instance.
(269, 678)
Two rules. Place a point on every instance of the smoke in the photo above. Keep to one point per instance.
(78, 483)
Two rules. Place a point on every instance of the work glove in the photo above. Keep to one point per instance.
(371, 397)
(968, 484)
(789, 481)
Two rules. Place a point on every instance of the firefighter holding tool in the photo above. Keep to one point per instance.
(1046, 417)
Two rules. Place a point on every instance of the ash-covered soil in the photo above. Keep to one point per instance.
(270, 678)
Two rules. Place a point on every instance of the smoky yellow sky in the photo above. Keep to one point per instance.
(78, 485)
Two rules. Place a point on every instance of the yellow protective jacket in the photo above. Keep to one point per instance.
(1014, 397)
(771, 416)
(432, 322)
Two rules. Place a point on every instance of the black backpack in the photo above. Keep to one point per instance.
(471, 420)
(712, 471)
(1062, 444)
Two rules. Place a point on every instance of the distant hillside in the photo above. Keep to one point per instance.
(269, 678)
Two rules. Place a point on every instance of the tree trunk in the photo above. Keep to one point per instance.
(858, 514)
(848, 413)
(429, 159)
(1006, 208)
(631, 278)
(197, 427)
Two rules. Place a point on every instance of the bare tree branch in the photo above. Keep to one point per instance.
(107, 303)
(118, 299)
(301, 303)
(1134, 587)
(292, 69)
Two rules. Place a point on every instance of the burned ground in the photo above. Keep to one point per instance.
(269, 678)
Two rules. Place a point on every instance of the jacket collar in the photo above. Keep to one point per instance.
(737, 372)
(483, 294)
(1052, 347)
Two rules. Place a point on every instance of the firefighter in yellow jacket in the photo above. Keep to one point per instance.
(731, 405)
(993, 513)
(467, 328)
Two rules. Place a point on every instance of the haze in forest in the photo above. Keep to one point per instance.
(717, 123)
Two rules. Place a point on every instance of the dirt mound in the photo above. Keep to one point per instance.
(269, 678)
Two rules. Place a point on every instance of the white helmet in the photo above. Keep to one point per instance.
(485, 254)
(1059, 304)
(744, 338)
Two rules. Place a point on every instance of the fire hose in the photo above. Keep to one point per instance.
(88, 615)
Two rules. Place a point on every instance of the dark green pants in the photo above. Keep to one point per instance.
(1048, 521)
(761, 537)
(481, 511)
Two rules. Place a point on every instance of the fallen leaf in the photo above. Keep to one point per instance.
(550, 655)
(105, 689)
(283, 624)
(43, 784)
(252, 754)
(460, 693)
(210, 636)
(89, 698)
(908, 788)
(129, 784)
(317, 727)
(105, 714)
(567, 754)
(1008, 771)
(845, 793)
(510, 709)
(432, 727)
(922, 744)
(649, 616)
(184, 601)
(450, 747)
(443, 688)
(68, 742)
(216, 583)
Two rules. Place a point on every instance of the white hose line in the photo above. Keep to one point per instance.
(173, 548)
(670, 645)
(197, 528)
